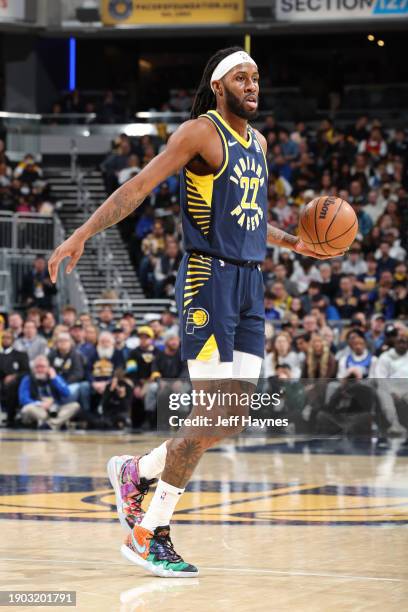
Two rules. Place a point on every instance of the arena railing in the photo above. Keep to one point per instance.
(26, 231)
(22, 237)
(80, 134)
(139, 307)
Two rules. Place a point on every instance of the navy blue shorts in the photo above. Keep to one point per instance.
(221, 306)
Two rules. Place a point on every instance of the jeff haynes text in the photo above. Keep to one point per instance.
(231, 421)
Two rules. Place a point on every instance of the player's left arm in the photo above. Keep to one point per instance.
(278, 237)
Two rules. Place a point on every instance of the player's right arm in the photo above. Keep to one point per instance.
(189, 140)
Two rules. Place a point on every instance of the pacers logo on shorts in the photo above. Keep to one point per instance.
(196, 318)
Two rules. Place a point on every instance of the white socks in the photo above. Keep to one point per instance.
(162, 506)
(152, 464)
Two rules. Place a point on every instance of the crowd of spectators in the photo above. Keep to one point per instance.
(85, 372)
(106, 109)
(22, 186)
(106, 372)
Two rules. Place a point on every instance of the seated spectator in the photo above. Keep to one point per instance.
(392, 372)
(374, 145)
(133, 169)
(107, 360)
(44, 397)
(139, 369)
(169, 322)
(88, 347)
(117, 401)
(27, 171)
(268, 268)
(295, 308)
(292, 398)
(271, 313)
(328, 335)
(327, 282)
(69, 364)
(375, 336)
(13, 365)
(120, 342)
(145, 222)
(116, 161)
(319, 366)
(110, 110)
(106, 318)
(77, 333)
(347, 298)
(15, 323)
(165, 270)
(381, 300)
(365, 224)
(310, 324)
(282, 189)
(289, 148)
(304, 272)
(282, 299)
(165, 194)
(313, 290)
(85, 319)
(139, 365)
(47, 326)
(359, 362)
(269, 126)
(69, 316)
(401, 301)
(31, 342)
(323, 310)
(283, 354)
(367, 281)
(319, 362)
(37, 288)
(384, 260)
(354, 263)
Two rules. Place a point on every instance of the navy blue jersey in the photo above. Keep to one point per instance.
(364, 362)
(225, 214)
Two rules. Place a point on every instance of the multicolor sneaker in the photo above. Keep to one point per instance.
(130, 489)
(155, 553)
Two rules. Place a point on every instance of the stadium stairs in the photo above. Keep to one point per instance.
(71, 212)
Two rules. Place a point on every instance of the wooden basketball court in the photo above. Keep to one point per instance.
(271, 524)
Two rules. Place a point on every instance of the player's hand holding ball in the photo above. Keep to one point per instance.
(327, 228)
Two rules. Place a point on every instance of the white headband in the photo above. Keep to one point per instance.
(228, 63)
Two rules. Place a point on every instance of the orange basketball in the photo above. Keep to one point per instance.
(328, 225)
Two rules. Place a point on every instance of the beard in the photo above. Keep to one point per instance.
(104, 353)
(236, 106)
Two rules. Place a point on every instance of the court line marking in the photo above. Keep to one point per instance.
(245, 570)
(306, 574)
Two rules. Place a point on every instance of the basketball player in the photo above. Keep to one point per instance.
(219, 287)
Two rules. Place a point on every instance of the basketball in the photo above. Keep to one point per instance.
(328, 225)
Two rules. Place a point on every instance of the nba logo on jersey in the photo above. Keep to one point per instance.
(196, 318)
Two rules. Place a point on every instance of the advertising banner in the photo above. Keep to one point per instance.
(171, 12)
(333, 10)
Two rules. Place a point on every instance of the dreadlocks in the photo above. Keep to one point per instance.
(205, 99)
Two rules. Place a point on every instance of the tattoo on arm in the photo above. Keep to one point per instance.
(279, 237)
(118, 206)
